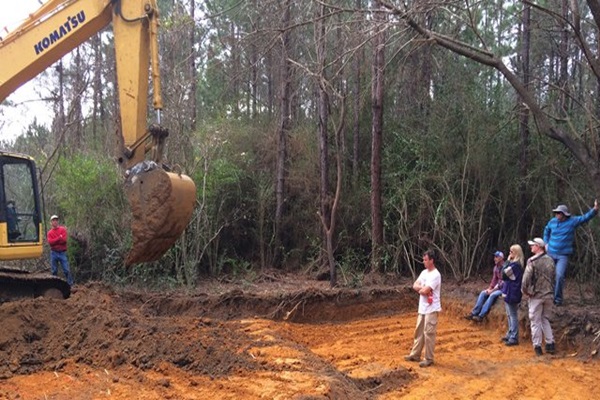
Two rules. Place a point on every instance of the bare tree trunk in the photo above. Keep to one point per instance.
(192, 72)
(97, 104)
(58, 123)
(376, 140)
(358, 60)
(254, 69)
(329, 224)
(524, 222)
(323, 107)
(563, 54)
(235, 54)
(598, 86)
(75, 113)
(282, 134)
(270, 82)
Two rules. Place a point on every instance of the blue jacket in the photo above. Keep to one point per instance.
(511, 290)
(559, 235)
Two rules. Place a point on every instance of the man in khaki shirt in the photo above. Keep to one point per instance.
(538, 285)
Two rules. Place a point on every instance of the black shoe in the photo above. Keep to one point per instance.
(512, 343)
(550, 349)
(477, 318)
(469, 316)
(504, 339)
(538, 351)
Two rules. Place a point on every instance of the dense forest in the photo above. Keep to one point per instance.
(342, 136)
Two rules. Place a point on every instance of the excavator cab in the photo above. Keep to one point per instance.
(20, 209)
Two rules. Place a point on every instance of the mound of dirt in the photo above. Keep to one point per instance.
(98, 326)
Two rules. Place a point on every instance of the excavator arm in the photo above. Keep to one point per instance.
(161, 202)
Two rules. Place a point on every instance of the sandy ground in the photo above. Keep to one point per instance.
(282, 339)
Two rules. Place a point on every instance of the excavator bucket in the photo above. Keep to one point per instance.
(161, 205)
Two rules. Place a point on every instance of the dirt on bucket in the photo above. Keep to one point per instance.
(161, 205)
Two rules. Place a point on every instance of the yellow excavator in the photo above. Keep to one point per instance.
(161, 201)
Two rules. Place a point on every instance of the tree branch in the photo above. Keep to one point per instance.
(543, 122)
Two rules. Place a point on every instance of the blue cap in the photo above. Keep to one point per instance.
(499, 254)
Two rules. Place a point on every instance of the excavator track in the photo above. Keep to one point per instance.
(16, 284)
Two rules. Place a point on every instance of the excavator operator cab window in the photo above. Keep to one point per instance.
(18, 195)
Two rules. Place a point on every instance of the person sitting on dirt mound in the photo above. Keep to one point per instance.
(538, 285)
(511, 292)
(429, 286)
(488, 297)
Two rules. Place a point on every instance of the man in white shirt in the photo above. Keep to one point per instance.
(428, 285)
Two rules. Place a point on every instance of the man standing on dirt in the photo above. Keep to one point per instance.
(538, 284)
(488, 296)
(428, 285)
(57, 239)
(559, 235)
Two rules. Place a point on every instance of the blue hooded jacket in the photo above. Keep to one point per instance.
(559, 235)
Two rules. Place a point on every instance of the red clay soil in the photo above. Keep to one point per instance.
(281, 338)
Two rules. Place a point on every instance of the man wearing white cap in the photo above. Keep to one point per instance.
(538, 285)
(559, 235)
(57, 239)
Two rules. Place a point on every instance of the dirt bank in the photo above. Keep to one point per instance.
(279, 338)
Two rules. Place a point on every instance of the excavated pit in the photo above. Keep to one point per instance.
(285, 339)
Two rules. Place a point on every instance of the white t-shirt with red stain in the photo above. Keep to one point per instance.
(433, 279)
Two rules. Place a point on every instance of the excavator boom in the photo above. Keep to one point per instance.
(161, 202)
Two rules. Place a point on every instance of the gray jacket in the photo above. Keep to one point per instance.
(538, 279)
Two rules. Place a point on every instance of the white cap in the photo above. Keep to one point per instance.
(537, 242)
(53, 217)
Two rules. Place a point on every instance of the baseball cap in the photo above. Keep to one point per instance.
(53, 217)
(537, 242)
(499, 254)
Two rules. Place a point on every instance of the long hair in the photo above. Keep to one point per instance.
(516, 254)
